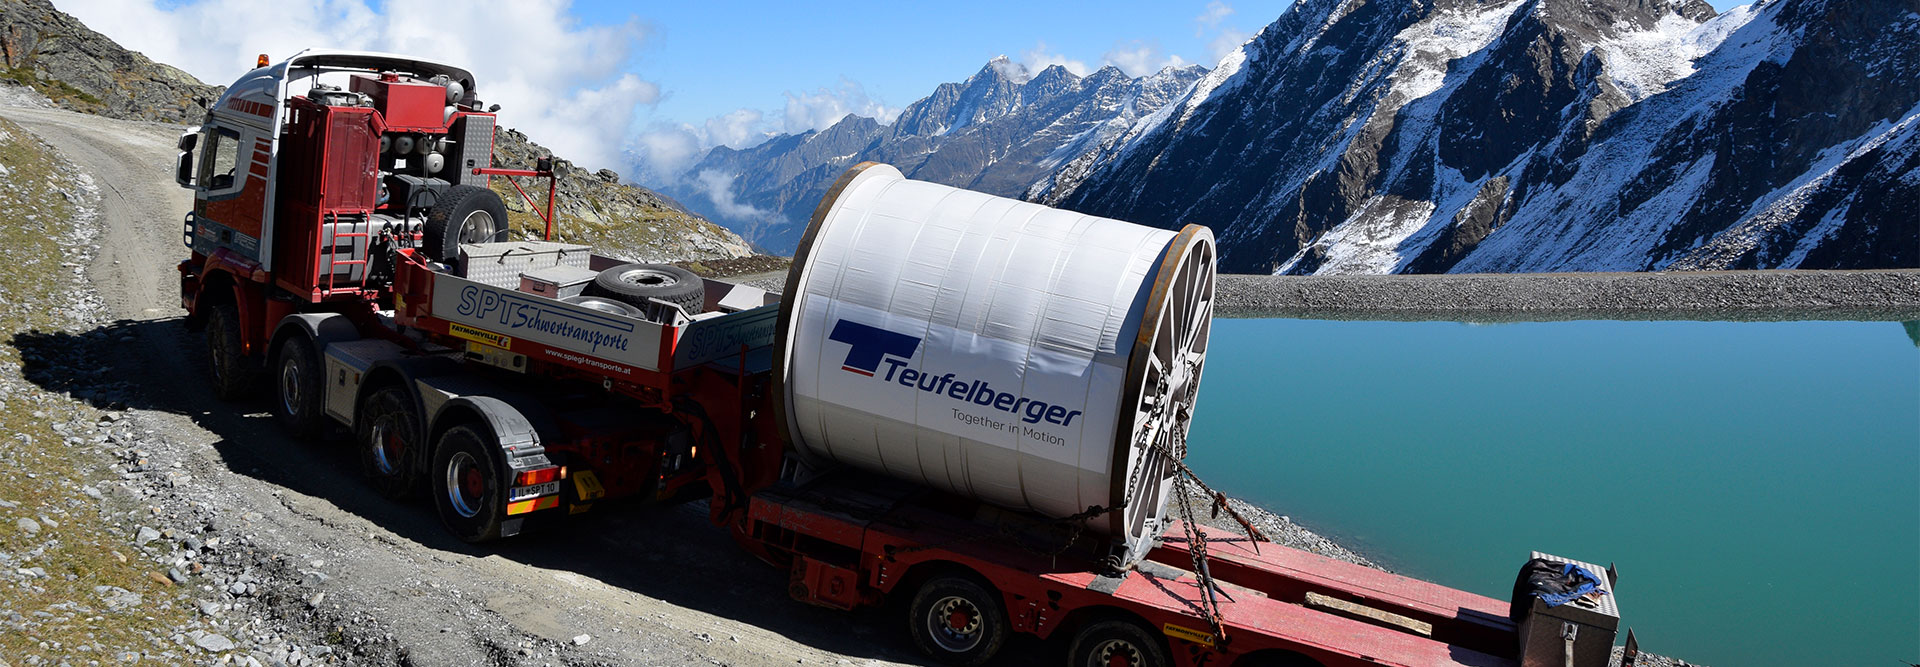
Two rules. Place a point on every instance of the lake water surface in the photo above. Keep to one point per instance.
(1758, 483)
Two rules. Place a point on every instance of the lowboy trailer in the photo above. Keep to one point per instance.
(346, 252)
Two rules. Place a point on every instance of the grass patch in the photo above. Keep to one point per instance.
(54, 89)
(42, 469)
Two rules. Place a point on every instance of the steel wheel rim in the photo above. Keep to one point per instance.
(387, 447)
(465, 478)
(602, 306)
(954, 624)
(291, 374)
(1169, 354)
(648, 277)
(478, 227)
(1115, 653)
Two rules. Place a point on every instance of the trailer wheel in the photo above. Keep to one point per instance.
(389, 437)
(1116, 643)
(467, 484)
(464, 214)
(956, 621)
(232, 373)
(297, 385)
(636, 283)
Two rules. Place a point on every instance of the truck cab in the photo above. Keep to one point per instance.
(303, 168)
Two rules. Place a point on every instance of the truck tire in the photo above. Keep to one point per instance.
(233, 375)
(297, 386)
(464, 214)
(956, 621)
(468, 487)
(389, 441)
(636, 283)
(1116, 642)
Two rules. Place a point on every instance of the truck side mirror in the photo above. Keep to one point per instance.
(183, 171)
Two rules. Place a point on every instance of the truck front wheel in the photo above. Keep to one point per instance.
(389, 439)
(956, 621)
(233, 375)
(467, 484)
(297, 384)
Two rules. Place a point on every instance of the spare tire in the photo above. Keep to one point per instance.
(606, 305)
(464, 214)
(636, 283)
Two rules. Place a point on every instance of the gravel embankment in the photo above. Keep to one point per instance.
(1713, 295)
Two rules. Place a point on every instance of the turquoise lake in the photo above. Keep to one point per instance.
(1758, 483)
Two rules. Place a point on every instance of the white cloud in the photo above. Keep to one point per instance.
(739, 128)
(718, 187)
(1141, 59)
(820, 109)
(561, 82)
(1226, 38)
(1038, 59)
(1210, 18)
(1226, 42)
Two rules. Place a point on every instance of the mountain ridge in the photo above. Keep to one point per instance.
(1536, 135)
(997, 132)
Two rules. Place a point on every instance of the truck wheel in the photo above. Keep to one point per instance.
(297, 385)
(467, 485)
(464, 214)
(636, 283)
(956, 621)
(232, 373)
(1115, 643)
(389, 437)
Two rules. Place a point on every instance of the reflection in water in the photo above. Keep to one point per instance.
(1913, 331)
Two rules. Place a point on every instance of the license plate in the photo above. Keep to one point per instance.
(535, 491)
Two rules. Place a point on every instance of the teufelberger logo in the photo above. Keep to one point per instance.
(868, 347)
(867, 344)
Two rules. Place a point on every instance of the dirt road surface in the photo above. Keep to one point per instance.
(380, 582)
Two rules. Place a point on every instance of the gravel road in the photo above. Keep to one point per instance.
(330, 573)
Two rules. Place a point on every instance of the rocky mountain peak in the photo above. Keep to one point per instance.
(1436, 135)
(998, 131)
(59, 57)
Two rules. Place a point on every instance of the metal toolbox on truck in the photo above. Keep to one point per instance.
(557, 282)
(500, 264)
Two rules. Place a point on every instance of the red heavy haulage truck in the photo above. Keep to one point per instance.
(347, 252)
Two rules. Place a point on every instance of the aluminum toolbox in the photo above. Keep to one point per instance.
(557, 282)
(500, 264)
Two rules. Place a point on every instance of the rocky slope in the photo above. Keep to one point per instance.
(82, 70)
(997, 132)
(1538, 135)
(595, 208)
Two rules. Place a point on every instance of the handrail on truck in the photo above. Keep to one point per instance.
(541, 167)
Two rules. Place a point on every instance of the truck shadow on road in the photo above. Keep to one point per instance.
(670, 554)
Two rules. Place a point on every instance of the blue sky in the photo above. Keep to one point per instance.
(646, 88)
(709, 61)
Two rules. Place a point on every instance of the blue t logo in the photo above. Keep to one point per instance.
(868, 344)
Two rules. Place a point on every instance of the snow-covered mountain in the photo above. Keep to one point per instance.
(1373, 136)
(997, 132)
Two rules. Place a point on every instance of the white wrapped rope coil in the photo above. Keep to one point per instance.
(1029, 357)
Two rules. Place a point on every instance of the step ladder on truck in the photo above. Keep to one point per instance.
(971, 405)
